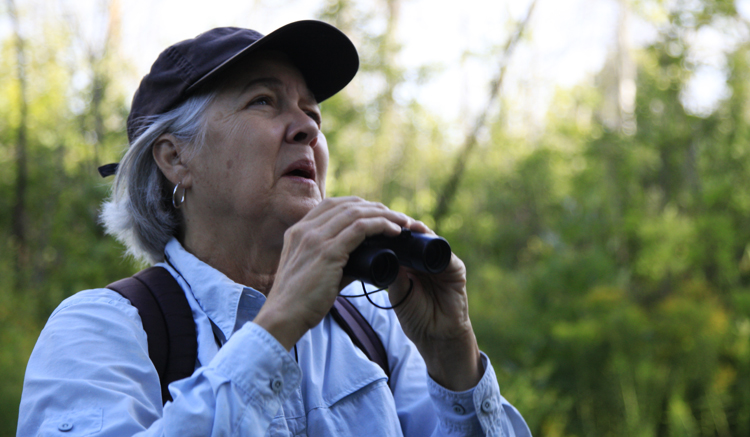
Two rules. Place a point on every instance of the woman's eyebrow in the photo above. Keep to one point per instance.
(273, 82)
(269, 82)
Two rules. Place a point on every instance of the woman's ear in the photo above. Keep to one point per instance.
(167, 152)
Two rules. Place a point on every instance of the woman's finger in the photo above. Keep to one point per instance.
(333, 220)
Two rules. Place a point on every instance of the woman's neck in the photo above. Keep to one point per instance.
(246, 257)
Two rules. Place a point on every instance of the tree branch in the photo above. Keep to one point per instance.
(448, 192)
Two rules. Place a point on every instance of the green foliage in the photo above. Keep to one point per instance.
(608, 270)
(67, 249)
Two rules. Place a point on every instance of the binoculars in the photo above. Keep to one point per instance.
(378, 259)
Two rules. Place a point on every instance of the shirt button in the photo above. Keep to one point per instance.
(459, 409)
(488, 406)
(277, 384)
(65, 426)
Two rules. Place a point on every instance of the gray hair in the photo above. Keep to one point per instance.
(139, 212)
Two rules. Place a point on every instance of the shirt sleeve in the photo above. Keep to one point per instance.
(426, 408)
(90, 373)
(479, 411)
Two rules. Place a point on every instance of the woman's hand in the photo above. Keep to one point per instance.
(309, 276)
(435, 317)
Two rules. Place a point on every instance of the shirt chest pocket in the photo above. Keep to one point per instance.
(332, 366)
(368, 410)
(342, 391)
(345, 371)
(76, 423)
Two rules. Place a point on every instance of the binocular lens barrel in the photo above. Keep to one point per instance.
(377, 259)
(375, 265)
(437, 255)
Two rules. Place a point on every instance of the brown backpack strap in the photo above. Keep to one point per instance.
(170, 328)
(167, 320)
(361, 332)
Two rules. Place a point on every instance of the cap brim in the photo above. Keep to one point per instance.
(325, 56)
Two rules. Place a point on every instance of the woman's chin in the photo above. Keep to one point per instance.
(300, 208)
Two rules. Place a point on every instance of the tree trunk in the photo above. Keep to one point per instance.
(99, 56)
(617, 114)
(19, 203)
(390, 144)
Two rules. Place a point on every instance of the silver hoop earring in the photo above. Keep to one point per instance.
(175, 202)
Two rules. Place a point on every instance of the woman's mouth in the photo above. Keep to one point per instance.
(303, 169)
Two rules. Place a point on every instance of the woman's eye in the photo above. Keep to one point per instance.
(315, 116)
(263, 101)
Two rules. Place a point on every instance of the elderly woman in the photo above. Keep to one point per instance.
(224, 186)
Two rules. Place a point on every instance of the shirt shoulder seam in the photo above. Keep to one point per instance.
(103, 296)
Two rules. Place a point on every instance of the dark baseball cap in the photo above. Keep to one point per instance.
(325, 56)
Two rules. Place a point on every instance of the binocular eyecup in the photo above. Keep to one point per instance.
(378, 259)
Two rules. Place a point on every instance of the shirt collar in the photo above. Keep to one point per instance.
(228, 304)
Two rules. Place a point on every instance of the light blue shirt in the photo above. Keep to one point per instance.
(90, 374)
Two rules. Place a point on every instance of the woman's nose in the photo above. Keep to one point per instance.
(303, 129)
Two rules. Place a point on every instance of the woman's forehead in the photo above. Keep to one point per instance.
(270, 69)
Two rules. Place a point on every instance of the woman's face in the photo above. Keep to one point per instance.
(264, 157)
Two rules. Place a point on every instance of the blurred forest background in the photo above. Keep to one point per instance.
(608, 247)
